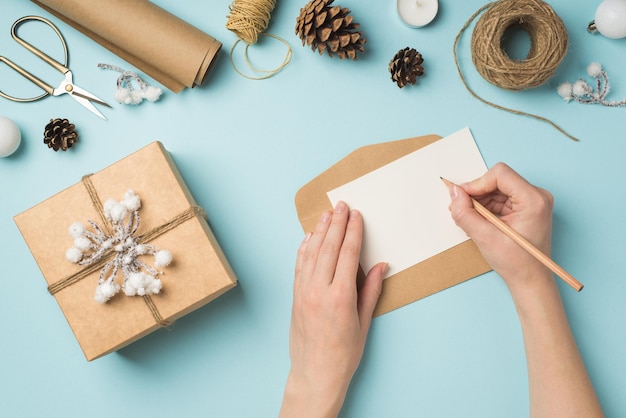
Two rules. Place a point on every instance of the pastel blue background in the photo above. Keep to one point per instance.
(245, 148)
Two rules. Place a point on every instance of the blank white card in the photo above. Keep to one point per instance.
(405, 204)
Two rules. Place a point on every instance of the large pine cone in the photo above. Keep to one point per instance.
(60, 133)
(406, 66)
(329, 29)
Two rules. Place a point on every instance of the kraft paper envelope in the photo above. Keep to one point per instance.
(453, 266)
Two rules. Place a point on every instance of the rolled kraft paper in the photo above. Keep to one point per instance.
(168, 49)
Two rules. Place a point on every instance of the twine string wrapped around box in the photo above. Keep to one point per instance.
(548, 38)
(189, 213)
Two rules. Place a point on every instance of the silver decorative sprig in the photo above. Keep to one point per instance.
(582, 92)
(126, 93)
(90, 246)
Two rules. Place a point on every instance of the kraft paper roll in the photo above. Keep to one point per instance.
(165, 47)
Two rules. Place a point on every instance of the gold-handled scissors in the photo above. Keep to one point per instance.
(66, 87)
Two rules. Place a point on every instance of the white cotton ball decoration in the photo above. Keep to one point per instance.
(10, 137)
(141, 284)
(118, 212)
(162, 258)
(107, 206)
(580, 88)
(82, 243)
(135, 96)
(133, 283)
(141, 249)
(152, 93)
(121, 95)
(594, 69)
(76, 229)
(610, 18)
(153, 286)
(106, 291)
(73, 255)
(132, 201)
(565, 91)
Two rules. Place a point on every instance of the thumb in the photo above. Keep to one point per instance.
(370, 292)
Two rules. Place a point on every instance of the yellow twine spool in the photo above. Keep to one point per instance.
(247, 20)
(548, 38)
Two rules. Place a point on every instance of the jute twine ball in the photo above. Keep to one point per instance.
(548, 43)
(249, 18)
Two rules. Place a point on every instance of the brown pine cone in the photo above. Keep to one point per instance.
(60, 133)
(329, 28)
(406, 66)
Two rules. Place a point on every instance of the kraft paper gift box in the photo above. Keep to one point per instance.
(169, 219)
(444, 270)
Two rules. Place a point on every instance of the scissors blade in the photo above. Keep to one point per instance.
(87, 103)
(86, 95)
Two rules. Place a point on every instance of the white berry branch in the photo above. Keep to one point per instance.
(582, 92)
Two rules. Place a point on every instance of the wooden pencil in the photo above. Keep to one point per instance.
(523, 242)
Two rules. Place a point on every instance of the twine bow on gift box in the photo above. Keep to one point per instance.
(114, 247)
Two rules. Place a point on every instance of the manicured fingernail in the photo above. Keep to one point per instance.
(453, 191)
(354, 214)
(325, 216)
(308, 236)
(385, 269)
(340, 207)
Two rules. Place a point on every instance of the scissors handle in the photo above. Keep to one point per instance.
(42, 84)
(51, 61)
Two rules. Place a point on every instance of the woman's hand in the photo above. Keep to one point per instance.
(526, 208)
(558, 380)
(330, 316)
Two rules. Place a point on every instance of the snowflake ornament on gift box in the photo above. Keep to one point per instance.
(90, 247)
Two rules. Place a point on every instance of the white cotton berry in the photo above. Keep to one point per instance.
(118, 212)
(132, 201)
(141, 284)
(121, 95)
(135, 97)
(154, 287)
(594, 69)
(152, 93)
(580, 88)
(565, 91)
(76, 229)
(107, 244)
(107, 206)
(162, 258)
(73, 255)
(106, 291)
(82, 243)
(127, 259)
(141, 249)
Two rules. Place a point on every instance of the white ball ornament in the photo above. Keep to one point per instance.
(10, 137)
(610, 18)
(163, 258)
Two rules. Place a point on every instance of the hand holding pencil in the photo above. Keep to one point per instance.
(520, 212)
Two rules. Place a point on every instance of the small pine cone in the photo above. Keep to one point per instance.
(406, 66)
(329, 28)
(60, 133)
